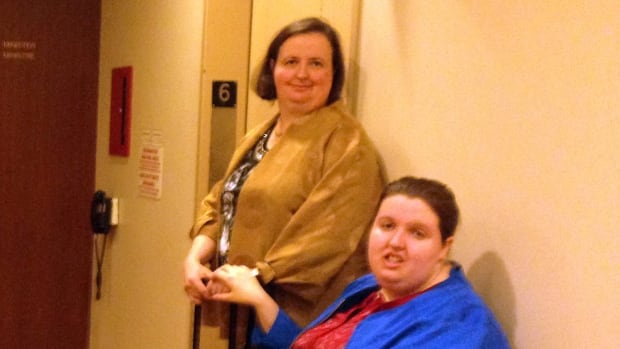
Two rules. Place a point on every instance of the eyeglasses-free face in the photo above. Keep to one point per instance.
(303, 73)
(405, 250)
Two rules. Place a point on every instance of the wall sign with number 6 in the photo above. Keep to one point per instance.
(224, 94)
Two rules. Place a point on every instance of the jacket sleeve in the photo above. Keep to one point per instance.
(281, 335)
(332, 221)
(284, 331)
(207, 222)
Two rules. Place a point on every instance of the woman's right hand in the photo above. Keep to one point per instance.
(196, 275)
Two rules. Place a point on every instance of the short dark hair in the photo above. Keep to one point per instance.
(265, 84)
(436, 194)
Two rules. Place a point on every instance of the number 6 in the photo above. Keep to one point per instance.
(224, 92)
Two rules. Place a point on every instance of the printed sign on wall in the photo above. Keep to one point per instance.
(151, 165)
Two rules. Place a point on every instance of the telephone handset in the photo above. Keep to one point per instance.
(101, 213)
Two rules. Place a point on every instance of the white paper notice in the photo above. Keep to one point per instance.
(151, 167)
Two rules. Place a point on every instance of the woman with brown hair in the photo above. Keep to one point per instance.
(300, 190)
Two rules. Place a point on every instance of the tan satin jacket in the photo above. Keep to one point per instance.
(304, 212)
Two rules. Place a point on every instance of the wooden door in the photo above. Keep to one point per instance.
(48, 114)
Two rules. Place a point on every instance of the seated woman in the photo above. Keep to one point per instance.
(415, 297)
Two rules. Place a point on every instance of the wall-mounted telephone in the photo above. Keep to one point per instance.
(101, 213)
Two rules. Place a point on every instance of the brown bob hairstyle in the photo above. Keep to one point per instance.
(436, 194)
(265, 84)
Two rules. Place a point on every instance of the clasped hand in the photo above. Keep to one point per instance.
(233, 283)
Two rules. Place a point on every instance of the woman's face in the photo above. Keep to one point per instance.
(405, 251)
(303, 73)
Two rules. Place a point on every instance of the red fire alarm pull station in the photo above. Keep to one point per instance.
(120, 111)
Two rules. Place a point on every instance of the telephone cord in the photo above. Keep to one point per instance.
(99, 256)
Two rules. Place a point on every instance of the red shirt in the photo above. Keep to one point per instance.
(336, 331)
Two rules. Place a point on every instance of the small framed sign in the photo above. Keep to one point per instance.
(224, 94)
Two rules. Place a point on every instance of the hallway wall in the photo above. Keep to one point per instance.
(143, 304)
(515, 105)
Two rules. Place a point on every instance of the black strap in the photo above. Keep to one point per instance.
(232, 327)
(196, 330)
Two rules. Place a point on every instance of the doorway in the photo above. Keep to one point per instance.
(48, 108)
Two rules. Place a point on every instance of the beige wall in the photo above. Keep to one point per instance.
(143, 304)
(516, 105)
